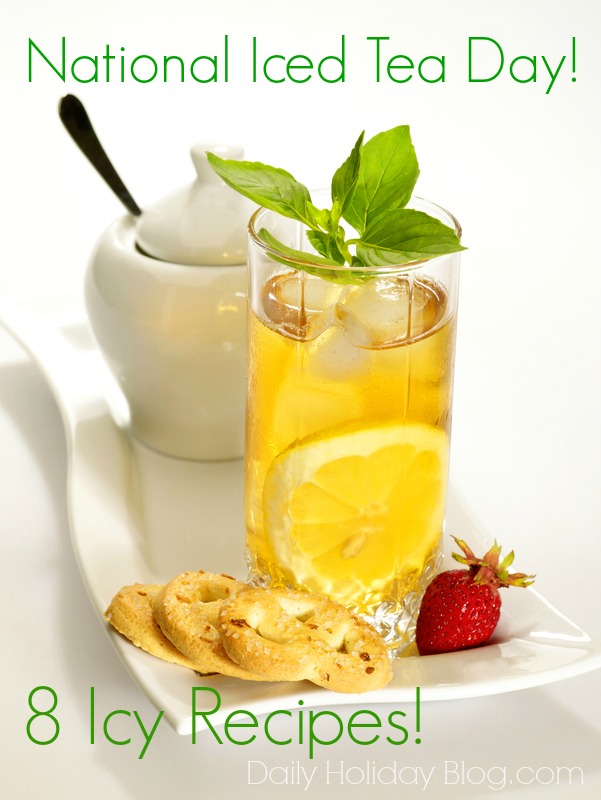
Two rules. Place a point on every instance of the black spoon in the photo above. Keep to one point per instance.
(77, 122)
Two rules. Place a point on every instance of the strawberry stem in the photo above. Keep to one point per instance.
(488, 570)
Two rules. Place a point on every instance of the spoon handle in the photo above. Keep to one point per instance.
(77, 122)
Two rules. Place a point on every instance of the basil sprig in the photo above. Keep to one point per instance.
(370, 191)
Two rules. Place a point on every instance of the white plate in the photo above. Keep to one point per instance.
(137, 516)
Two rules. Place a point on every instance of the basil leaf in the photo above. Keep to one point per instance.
(308, 262)
(406, 235)
(369, 190)
(326, 244)
(388, 172)
(320, 217)
(345, 178)
(280, 249)
(270, 187)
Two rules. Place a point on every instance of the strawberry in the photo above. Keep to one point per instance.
(461, 607)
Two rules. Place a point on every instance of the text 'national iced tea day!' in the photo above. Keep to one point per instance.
(380, 59)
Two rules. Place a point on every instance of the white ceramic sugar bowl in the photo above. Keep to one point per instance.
(166, 299)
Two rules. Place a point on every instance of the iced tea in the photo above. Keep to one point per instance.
(348, 423)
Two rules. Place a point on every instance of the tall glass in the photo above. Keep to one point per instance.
(348, 425)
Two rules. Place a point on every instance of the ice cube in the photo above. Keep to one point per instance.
(299, 305)
(390, 310)
(332, 357)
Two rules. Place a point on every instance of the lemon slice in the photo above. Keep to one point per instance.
(351, 511)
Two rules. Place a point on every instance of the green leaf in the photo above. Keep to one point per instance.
(369, 190)
(281, 249)
(406, 235)
(270, 187)
(309, 262)
(345, 178)
(388, 171)
(326, 244)
(320, 218)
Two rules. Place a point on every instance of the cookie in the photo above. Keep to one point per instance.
(186, 610)
(130, 613)
(288, 635)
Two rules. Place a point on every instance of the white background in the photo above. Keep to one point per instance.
(520, 169)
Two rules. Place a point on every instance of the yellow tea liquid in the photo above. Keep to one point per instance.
(347, 437)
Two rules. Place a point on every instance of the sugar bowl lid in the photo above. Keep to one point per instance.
(203, 223)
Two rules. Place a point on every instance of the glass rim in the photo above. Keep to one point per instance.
(385, 268)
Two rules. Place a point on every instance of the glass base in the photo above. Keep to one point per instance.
(394, 617)
(395, 620)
